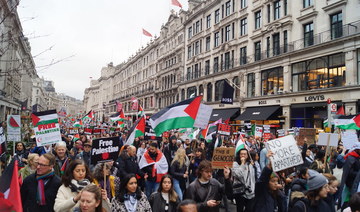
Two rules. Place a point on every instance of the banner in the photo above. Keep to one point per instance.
(150, 133)
(223, 156)
(73, 131)
(46, 127)
(286, 153)
(228, 93)
(105, 149)
(88, 131)
(224, 129)
(97, 131)
(13, 128)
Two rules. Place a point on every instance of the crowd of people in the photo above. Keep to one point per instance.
(60, 177)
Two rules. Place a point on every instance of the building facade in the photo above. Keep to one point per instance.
(284, 58)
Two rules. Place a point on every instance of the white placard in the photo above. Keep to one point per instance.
(203, 116)
(13, 128)
(286, 153)
(323, 139)
(349, 139)
(258, 131)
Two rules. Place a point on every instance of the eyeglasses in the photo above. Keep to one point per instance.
(42, 165)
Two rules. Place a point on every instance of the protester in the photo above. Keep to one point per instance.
(38, 191)
(90, 200)
(154, 164)
(165, 199)
(86, 155)
(169, 150)
(268, 196)
(187, 205)
(62, 161)
(111, 181)
(179, 171)
(21, 154)
(263, 159)
(141, 150)
(354, 203)
(30, 168)
(75, 178)
(206, 191)
(40, 150)
(129, 197)
(308, 160)
(319, 163)
(194, 163)
(333, 188)
(255, 156)
(300, 183)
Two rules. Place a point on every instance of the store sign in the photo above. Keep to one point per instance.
(314, 98)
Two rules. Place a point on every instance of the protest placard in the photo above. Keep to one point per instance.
(96, 131)
(13, 128)
(73, 131)
(281, 133)
(105, 149)
(88, 131)
(224, 129)
(349, 139)
(330, 139)
(307, 134)
(258, 131)
(286, 153)
(203, 116)
(46, 127)
(223, 156)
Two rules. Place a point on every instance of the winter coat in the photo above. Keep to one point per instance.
(303, 205)
(178, 172)
(201, 193)
(299, 185)
(26, 171)
(158, 203)
(64, 200)
(264, 201)
(128, 165)
(29, 190)
(350, 170)
(143, 205)
(245, 174)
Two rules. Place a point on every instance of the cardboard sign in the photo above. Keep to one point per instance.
(349, 139)
(13, 128)
(308, 133)
(258, 131)
(286, 153)
(105, 149)
(323, 139)
(223, 156)
(73, 131)
(224, 129)
(46, 127)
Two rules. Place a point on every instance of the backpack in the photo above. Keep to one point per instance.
(340, 161)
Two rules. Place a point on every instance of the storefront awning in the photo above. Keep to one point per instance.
(224, 114)
(257, 113)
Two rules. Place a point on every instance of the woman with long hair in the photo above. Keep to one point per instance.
(178, 170)
(75, 178)
(111, 181)
(30, 168)
(194, 163)
(129, 197)
(319, 164)
(21, 154)
(90, 200)
(165, 199)
(333, 188)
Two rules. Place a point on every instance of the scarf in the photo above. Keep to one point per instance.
(130, 202)
(160, 166)
(63, 167)
(353, 153)
(40, 195)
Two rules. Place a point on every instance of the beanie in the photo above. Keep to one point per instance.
(316, 181)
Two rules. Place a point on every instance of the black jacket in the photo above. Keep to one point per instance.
(350, 170)
(128, 165)
(148, 169)
(158, 203)
(28, 194)
(178, 172)
(304, 205)
(299, 185)
(264, 201)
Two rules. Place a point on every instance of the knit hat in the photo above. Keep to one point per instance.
(316, 180)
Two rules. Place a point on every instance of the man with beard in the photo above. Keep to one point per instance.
(38, 191)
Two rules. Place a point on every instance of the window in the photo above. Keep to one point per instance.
(236, 86)
(219, 89)
(201, 90)
(189, 52)
(188, 74)
(209, 92)
(216, 39)
(217, 16)
(216, 64)
(196, 71)
(276, 44)
(307, 3)
(227, 8)
(319, 73)
(272, 81)
(285, 7)
(182, 95)
(251, 85)
(227, 61)
(257, 19)
(207, 45)
(243, 26)
(197, 47)
(207, 67)
(189, 32)
(192, 91)
(243, 56)
(197, 27)
(285, 41)
(227, 32)
(268, 13)
(268, 47)
(243, 4)
(257, 51)
(208, 21)
(277, 10)
(336, 25)
(308, 34)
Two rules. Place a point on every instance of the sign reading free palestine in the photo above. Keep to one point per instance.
(46, 127)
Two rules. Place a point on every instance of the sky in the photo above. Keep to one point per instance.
(71, 40)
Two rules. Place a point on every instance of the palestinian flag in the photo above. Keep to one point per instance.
(140, 111)
(160, 167)
(88, 116)
(121, 124)
(240, 144)
(10, 185)
(44, 118)
(178, 115)
(136, 131)
(64, 166)
(78, 123)
(119, 116)
(347, 122)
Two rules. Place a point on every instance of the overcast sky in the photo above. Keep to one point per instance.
(85, 35)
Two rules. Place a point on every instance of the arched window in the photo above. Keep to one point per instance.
(218, 89)
(209, 89)
(201, 90)
(182, 94)
(236, 86)
(192, 91)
